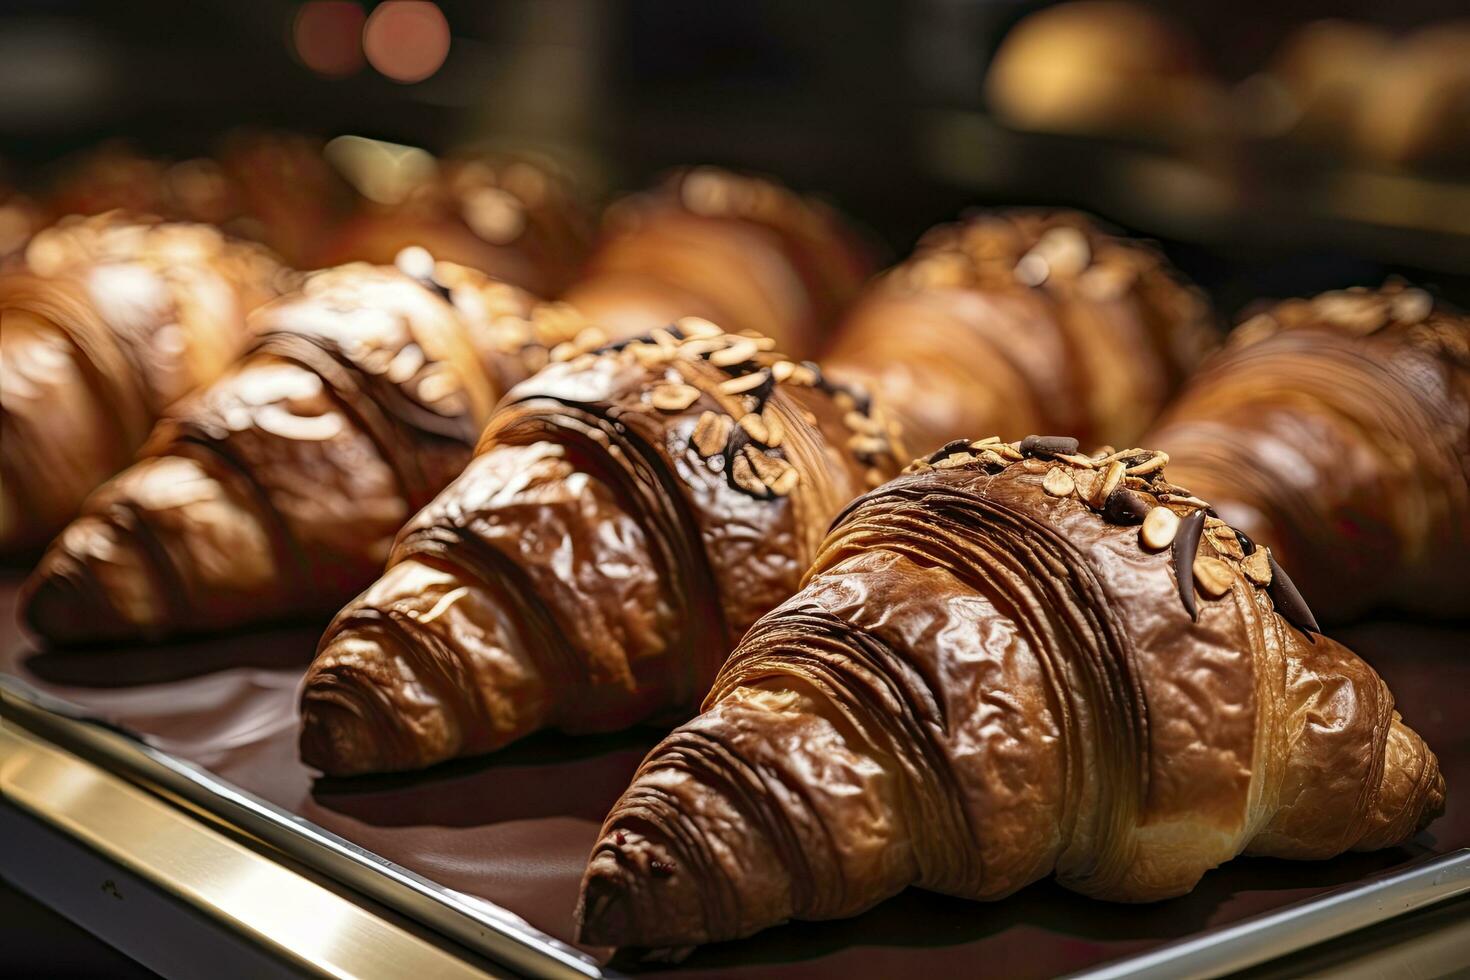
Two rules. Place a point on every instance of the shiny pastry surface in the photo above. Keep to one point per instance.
(742, 251)
(629, 513)
(276, 490)
(1337, 429)
(1024, 321)
(107, 320)
(1015, 661)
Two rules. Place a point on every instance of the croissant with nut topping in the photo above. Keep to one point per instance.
(742, 251)
(106, 321)
(276, 490)
(1337, 429)
(1013, 662)
(1024, 322)
(628, 514)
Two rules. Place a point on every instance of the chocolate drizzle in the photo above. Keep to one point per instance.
(1289, 602)
(1186, 543)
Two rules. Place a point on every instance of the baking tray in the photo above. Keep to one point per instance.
(490, 851)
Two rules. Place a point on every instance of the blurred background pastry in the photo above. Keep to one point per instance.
(107, 321)
(742, 251)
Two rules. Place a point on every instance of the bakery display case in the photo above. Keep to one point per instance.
(606, 489)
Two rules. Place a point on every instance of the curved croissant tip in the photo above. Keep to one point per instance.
(63, 604)
(603, 911)
(636, 894)
(337, 739)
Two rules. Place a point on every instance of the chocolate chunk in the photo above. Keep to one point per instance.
(1048, 446)
(1126, 507)
(1186, 543)
(1289, 602)
(954, 445)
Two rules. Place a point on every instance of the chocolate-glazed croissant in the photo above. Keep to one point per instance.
(1023, 322)
(742, 251)
(276, 490)
(507, 216)
(1012, 662)
(629, 513)
(1337, 429)
(106, 321)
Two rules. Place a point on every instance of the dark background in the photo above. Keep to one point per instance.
(845, 98)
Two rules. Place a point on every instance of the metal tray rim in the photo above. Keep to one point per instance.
(502, 935)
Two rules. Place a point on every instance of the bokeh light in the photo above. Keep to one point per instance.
(407, 40)
(327, 36)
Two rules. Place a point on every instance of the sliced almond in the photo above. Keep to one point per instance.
(1112, 476)
(1257, 567)
(564, 351)
(768, 468)
(755, 427)
(1223, 540)
(744, 383)
(1058, 482)
(782, 370)
(984, 443)
(663, 338)
(743, 475)
(786, 482)
(775, 428)
(867, 445)
(698, 327)
(673, 397)
(954, 460)
(711, 433)
(650, 355)
(739, 352)
(1155, 462)
(1213, 576)
(1086, 482)
(1158, 528)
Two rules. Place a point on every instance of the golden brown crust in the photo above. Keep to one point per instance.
(1023, 321)
(629, 513)
(107, 321)
(1337, 429)
(742, 251)
(276, 490)
(1001, 667)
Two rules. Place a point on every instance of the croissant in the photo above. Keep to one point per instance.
(1023, 322)
(507, 216)
(1337, 430)
(628, 514)
(1013, 662)
(275, 491)
(274, 188)
(741, 251)
(106, 321)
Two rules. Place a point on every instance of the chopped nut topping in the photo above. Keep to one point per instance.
(738, 352)
(1153, 464)
(699, 328)
(1257, 567)
(743, 476)
(650, 355)
(755, 427)
(673, 397)
(1222, 538)
(744, 383)
(775, 428)
(1058, 482)
(954, 461)
(1213, 576)
(1158, 528)
(711, 433)
(782, 370)
(1111, 477)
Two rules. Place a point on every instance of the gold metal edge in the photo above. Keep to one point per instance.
(296, 918)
